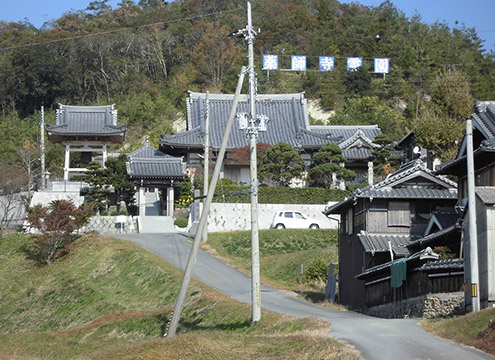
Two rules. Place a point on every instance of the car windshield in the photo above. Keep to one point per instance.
(299, 216)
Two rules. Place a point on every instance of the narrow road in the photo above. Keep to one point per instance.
(375, 338)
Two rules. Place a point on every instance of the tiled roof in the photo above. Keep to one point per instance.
(486, 194)
(148, 162)
(411, 168)
(423, 254)
(379, 242)
(347, 131)
(165, 168)
(444, 219)
(356, 153)
(448, 264)
(358, 136)
(410, 193)
(75, 120)
(426, 240)
(484, 122)
(288, 123)
(395, 187)
(484, 118)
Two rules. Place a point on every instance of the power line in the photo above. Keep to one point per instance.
(117, 30)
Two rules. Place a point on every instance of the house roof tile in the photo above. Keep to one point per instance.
(396, 186)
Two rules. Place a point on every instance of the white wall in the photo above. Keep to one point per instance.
(231, 216)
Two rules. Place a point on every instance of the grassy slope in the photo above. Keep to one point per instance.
(111, 299)
(281, 252)
(472, 329)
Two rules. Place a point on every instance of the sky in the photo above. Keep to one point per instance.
(478, 14)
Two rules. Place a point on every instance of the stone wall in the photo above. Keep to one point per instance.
(427, 306)
(232, 216)
(108, 225)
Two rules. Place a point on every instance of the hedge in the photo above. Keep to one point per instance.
(233, 193)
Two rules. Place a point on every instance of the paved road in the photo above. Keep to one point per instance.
(375, 338)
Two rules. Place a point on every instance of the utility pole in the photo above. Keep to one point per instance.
(206, 159)
(181, 297)
(42, 146)
(473, 236)
(252, 131)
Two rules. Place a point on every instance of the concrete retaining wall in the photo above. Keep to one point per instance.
(427, 306)
(232, 216)
(108, 225)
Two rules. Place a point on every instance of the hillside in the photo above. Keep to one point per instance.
(110, 299)
(283, 254)
(144, 58)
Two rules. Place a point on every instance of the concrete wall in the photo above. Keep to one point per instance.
(231, 216)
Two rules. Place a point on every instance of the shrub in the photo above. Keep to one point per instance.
(56, 223)
(181, 222)
(316, 271)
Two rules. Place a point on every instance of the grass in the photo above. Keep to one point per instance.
(473, 329)
(110, 299)
(282, 252)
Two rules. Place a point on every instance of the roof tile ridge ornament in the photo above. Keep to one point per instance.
(358, 134)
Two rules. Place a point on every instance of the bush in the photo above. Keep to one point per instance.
(279, 195)
(181, 222)
(57, 224)
(317, 271)
(123, 212)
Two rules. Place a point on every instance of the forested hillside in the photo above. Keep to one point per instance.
(145, 56)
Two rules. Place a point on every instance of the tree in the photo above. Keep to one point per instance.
(12, 201)
(117, 178)
(326, 166)
(281, 164)
(28, 156)
(104, 181)
(242, 155)
(215, 56)
(99, 187)
(358, 81)
(56, 223)
(384, 162)
(370, 110)
(440, 125)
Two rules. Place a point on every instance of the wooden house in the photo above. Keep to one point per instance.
(388, 221)
(483, 120)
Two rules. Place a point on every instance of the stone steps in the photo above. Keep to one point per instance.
(156, 225)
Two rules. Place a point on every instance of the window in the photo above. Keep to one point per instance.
(299, 215)
(288, 214)
(398, 213)
(348, 222)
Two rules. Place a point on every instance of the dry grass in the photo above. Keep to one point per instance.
(110, 299)
(473, 329)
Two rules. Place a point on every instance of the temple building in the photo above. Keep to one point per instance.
(87, 130)
(286, 120)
